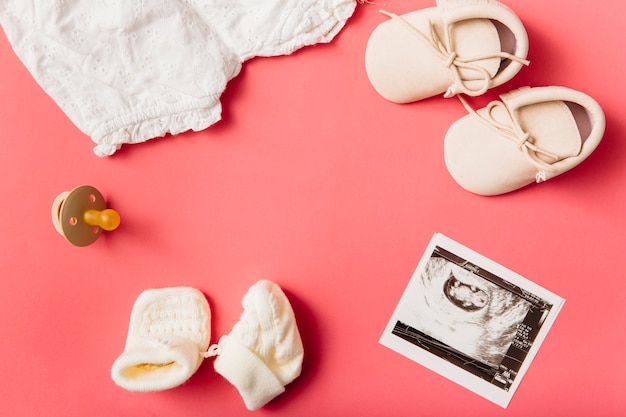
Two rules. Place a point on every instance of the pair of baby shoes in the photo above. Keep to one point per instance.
(170, 331)
(463, 48)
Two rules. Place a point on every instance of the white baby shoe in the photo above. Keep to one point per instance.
(533, 134)
(169, 330)
(460, 46)
(263, 352)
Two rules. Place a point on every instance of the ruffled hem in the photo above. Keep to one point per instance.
(318, 24)
(307, 23)
(155, 123)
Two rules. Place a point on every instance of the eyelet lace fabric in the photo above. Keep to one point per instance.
(128, 71)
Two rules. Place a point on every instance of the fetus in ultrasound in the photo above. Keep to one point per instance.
(465, 296)
(465, 311)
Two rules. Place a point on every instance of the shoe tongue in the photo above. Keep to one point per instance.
(550, 124)
(476, 38)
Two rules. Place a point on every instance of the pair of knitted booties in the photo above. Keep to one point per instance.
(463, 48)
(170, 331)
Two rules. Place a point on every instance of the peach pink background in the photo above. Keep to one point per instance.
(314, 181)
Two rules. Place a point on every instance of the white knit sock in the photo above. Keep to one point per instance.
(263, 352)
(168, 330)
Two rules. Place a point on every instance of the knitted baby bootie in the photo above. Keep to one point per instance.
(263, 352)
(169, 329)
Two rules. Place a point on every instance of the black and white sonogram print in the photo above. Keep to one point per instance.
(465, 311)
(471, 320)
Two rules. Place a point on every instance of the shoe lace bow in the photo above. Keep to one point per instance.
(512, 130)
(454, 62)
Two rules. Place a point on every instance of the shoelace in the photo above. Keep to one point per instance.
(515, 133)
(454, 62)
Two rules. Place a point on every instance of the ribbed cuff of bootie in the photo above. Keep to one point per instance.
(254, 380)
(155, 365)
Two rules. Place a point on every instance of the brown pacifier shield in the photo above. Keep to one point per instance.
(72, 211)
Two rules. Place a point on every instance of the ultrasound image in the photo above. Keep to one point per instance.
(471, 320)
(464, 311)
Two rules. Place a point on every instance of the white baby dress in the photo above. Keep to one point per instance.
(125, 71)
